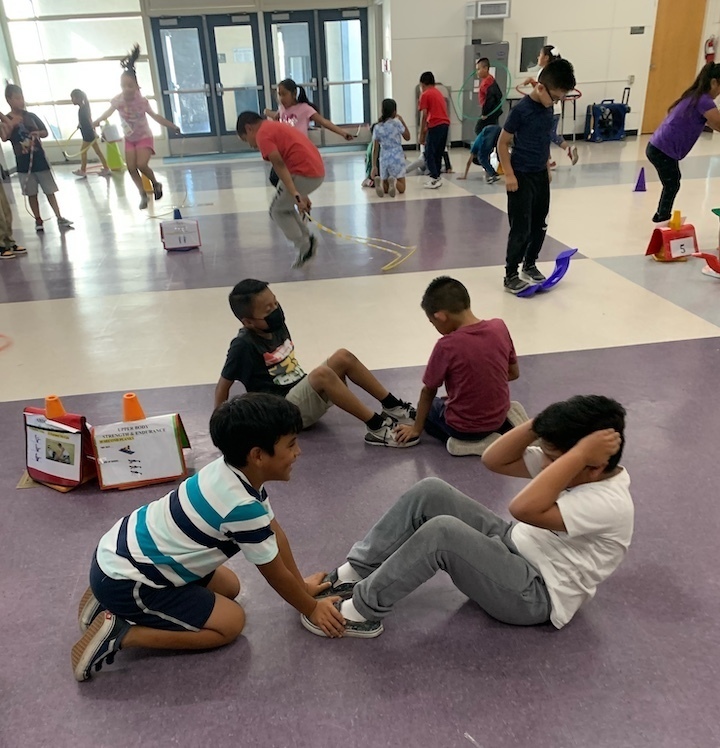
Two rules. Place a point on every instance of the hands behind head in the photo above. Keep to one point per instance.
(600, 446)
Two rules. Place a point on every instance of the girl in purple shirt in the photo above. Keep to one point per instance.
(679, 131)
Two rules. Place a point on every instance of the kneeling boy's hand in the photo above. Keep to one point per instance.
(314, 584)
(600, 446)
(404, 432)
(328, 617)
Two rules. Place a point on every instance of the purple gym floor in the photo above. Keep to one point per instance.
(637, 667)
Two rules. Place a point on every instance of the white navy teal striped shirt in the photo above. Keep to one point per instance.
(191, 531)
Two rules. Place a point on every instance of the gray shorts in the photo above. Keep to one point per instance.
(37, 179)
(312, 404)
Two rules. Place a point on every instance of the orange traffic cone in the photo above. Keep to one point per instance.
(54, 407)
(132, 410)
(676, 220)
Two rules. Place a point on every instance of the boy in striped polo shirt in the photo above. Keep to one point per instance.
(157, 578)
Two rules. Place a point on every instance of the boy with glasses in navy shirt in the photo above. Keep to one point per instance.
(527, 179)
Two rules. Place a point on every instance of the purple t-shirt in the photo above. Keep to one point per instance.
(684, 124)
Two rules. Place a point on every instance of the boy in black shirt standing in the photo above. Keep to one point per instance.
(24, 131)
(527, 178)
(262, 357)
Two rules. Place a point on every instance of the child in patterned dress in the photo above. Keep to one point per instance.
(389, 165)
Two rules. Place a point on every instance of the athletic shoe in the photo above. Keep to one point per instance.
(157, 191)
(494, 178)
(514, 285)
(304, 257)
(462, 448)
(572, 154)
(358, 629)
(98, 644)
(707, 270)
(403, 413)
(64, 223)
(6, 253)
(80, 173)
(433, 184)
(88, 610)
(143, 201)
(657, 218)
(517, 414)
(391, 186)
(367, 182)
(532, 274)
(341, 589)
(379, 191)
(385, 437)
(39, 225)
(105, 173)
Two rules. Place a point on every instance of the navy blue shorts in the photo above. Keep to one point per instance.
(184, 608)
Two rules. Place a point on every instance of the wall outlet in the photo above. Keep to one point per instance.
(631, 80)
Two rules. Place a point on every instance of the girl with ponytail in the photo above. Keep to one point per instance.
(134, 110)
(679, 131)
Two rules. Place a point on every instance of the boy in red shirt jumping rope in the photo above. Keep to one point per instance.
(300, 168)
(434, 127)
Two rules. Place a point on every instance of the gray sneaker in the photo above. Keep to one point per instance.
(514, 284)
(98, 645)
(462, 448)
(64, 223)
(342, 589)
(385, 437)
(305, 257)
(403, 413)
(88, 610)
(532, 274)
(379, 189)
(357, 629)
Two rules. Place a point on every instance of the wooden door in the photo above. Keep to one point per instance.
(674, 59)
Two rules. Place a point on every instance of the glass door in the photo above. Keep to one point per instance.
(237, 69)
(186, 82)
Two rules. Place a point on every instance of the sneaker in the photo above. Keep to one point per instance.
(80, 173)
(532, 274)
(517, 414)
(342, 589)
(98, 644)
(39, 225)
(493, 179)
(358, 629)
(88, 610)
(462, 448)
(304, 257)
(572, 154)
(391, 187)
(379, 191)
(157, 191)
(18, 250)
(707, 270)
(64, 223)
(6, 253)
(105, 173)
(143, 201)
(403, 413)
(433, 184)
(367, 182)
(657, 218)
(514, 284)
(385, 437)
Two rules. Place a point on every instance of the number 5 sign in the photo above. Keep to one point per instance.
(682, 247)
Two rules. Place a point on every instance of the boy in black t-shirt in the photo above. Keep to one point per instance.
(527, 179)
(262, 357)
(24, 131)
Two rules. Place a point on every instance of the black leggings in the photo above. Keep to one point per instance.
(668, 170)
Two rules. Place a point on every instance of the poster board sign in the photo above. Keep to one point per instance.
(180, 233)
(130, 454)
(57, 451)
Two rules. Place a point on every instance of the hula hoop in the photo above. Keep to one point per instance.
(472, 75)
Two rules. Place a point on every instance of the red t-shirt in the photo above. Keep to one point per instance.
(473, 364)
(485, 83)
(300, 155)
(432, 100)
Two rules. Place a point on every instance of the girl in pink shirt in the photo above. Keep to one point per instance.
(134, 109)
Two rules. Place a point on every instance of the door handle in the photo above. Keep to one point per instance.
(219, 90)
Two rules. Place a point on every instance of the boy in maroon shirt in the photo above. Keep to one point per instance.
(434, 127)
(475, 359)
(300, 169)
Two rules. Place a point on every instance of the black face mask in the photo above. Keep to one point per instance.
(275, 320)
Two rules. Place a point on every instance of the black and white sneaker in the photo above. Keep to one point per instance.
(513, 284)
(494, 178)
(385, 436)
(88, 610)
(532, 274)
(433, 184)
(341, 589)
(403, 413)
(305, 257)
(357, 629)
(98, 645)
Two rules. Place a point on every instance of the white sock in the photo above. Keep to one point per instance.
(346, 573)
(349, 613)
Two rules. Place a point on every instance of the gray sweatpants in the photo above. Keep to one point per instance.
(282, 211)
(433, 526)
